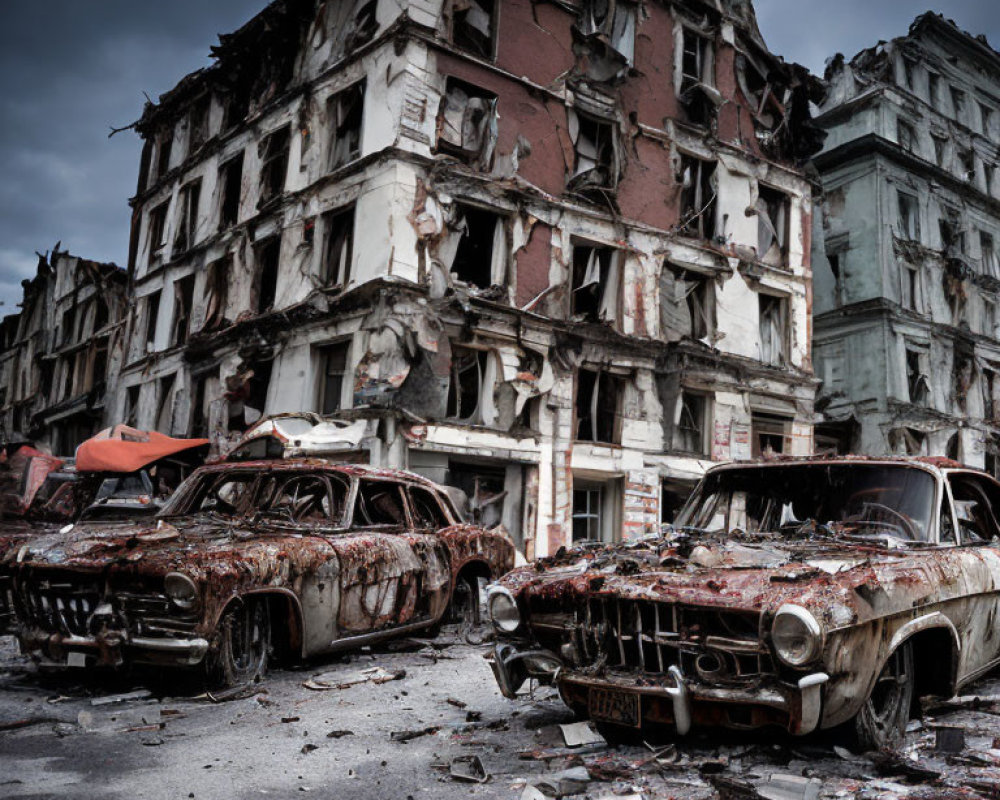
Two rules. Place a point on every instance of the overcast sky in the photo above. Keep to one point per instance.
(69, 70)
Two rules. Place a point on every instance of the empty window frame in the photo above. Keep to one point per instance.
(773, 328)
(910, 290)
(345, 115)
(934, 90)
(152, 314)
(951, 232)
(773, 226)
(909, 69)
(989, 177)
(378, 504)
(689, 308)
(596, 283)
(231, 181)
(918, 386)
(131, 410)
(615, 22)
(691, 423)
(598, 406)
(908, 219)
(472, 25)
(473, 373)
(186, 233)
(273, 151)
(467, 124)
(183, 303)
(198, 417)
(198, 123)
(990, 383)
(338, 250)
(333, 363)
(697, 60)
(216, 292)
(940, 150)
(267, 255)
(698, 197)
(588, 512)
(480, 256)
(988, 254)
(958, 103)
(989, 317)
(906, 135)
(966, 164)
(985, 118)
(596, 153)
(770, 434)
(158, 226)
(164, 146)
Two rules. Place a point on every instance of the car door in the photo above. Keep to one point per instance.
(975, 610)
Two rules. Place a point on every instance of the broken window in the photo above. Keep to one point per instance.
(345, 115)
(950, 229)
(697, 60)
(427, 511)
(470, 388)
(467, 124)
(267, 256)
(958, 103)
(158, 226)
(991, 394)
(596, 278)
(187, 217)
(152, 313)
(216, 291)
(910, 287)
(940, 151)
(379, 503)
(773, 212)
(66, 328)
(237, 105)
(183, 303)
(165, 404)
(479, 242)
(687, 302)
(988, 250)
(587, 502)
(198, 416)
(598, 406)
(985, 118)
(614, 21)
(967, 164)
(917, 381)
(836, 267)
(596, 159)
(934, 89)
(273, 151)
(485, 488)
(909, 68)
(131, 410)
(908, 442)
(771, 434)
(338, 228)
(198, 122)
(333, 361)
(690, 424)
(698, 197)
(773, 328)
(906, 134)
(164, 146)
(473, 25)
(908, 221)
(231, 180)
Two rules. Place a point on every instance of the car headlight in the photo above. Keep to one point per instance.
(796, 635)
(181, 590)
(503, 610)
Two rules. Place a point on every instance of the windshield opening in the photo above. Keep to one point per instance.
(876, 499)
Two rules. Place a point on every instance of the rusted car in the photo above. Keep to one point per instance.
(247, 561)
(805, 594)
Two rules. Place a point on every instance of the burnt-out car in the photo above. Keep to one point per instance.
(294, 558)
(803, 594)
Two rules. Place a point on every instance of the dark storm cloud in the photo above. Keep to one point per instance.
(69, 70)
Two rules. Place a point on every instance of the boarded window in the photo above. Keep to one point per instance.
(596, 283)
(231, 180)
(183, 302)
(216, 292)
(598, 406)
(345, 112)
(918, 384)
(187, 217)
(773, 329)
(267, 256)
(690, 423)
(479, 242)
(467, 124)
(687, 303)
(273, 151)
(773, 212)
(473, 25)
(698, 197)
(338, 229)
(158, 226)
(333, 361)
(770, 434)
(908, 221)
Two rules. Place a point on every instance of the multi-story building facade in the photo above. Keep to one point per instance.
(556, 255)
(60, 354)
(905, 263)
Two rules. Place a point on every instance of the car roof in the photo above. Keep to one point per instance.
(935, 464)
(322, 464)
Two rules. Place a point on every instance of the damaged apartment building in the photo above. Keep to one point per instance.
(555, 254)
(907, 279)
(60, 354)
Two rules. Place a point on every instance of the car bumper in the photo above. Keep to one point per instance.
(111, 649)
(672, 699)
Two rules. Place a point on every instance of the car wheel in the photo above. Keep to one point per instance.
(467, 611)
(882, 720)
(244, 643)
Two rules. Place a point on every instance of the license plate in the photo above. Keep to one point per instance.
(608, 705)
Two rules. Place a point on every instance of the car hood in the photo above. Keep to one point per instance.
(841, 584)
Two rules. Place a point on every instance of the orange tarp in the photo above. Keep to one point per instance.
(124, 449)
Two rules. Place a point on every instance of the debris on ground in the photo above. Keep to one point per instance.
(469, 769)
(580, 734)
(406, 736)
(236, 693)
(139, 694)
(333, 680)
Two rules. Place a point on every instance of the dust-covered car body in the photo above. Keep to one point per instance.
(802, 594)
(306, 555)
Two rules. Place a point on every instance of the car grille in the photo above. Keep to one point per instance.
(649, 636)
(59, 606)
(153, 615)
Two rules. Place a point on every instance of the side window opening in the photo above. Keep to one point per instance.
(426, 509)
(379, 503)
(304, 498)
(228, 494)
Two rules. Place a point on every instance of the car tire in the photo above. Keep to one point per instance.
(244, 644)
(881, 723)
